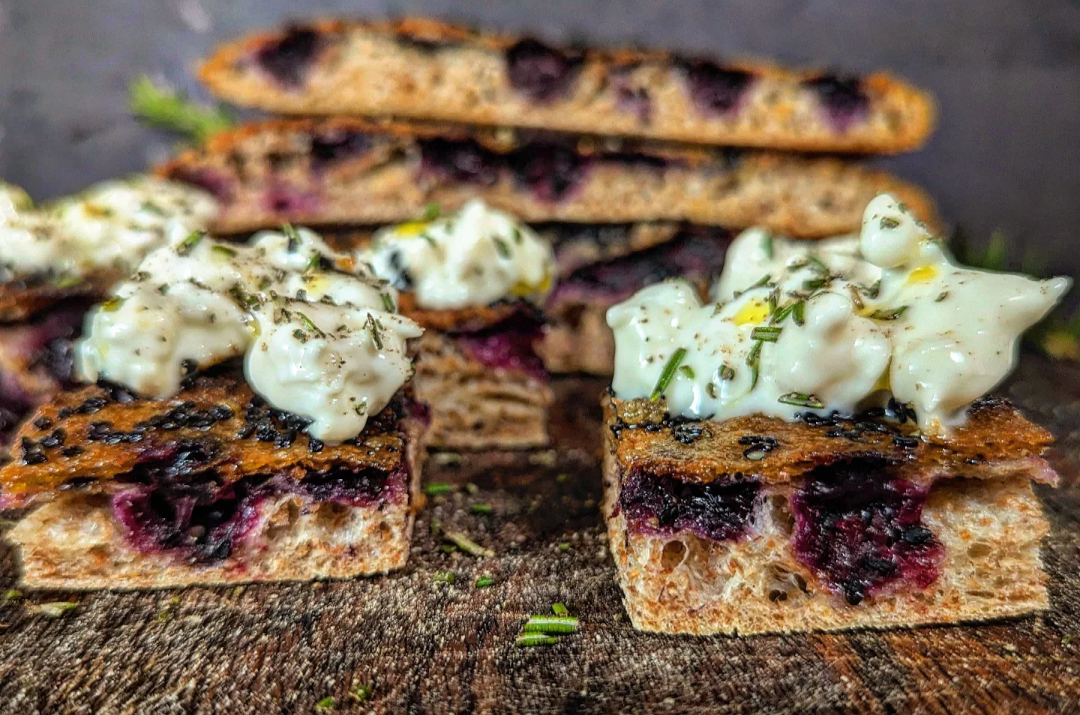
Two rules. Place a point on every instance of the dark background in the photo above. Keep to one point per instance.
(1006, 73)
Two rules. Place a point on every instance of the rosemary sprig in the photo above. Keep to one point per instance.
(484, 582)
(527, 640)
(687, 371)
(668, 373)
(223, 250)
(767, 246)
(467, 545)
(887, 314)
(559, 609)
(550, 624)
(167, 109)
(388, 302)
(481, 509)
(444, 577)
(436, 488)
(501, 247)
(375, 329)
(765, 334)
(311, 326)
(188, 244)
(801, 399)
(798, 313)
(727, 372)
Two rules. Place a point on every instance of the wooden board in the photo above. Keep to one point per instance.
(428, 647)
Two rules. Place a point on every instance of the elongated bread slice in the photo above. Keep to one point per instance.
(423, 69)
(478, 372)
(755, 525)
(209, 487)
(348, 171)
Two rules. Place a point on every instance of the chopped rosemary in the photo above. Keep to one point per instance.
(752, 356)
(188, 244)
(941, 296)
(360, 692)
(444, 577)
(798, 312)
(468, 545)
(388, 302)
(56, 609)
(311, 326)
(315, 263)
(361, 409)
(517, 235)
(293, 235)
(223, 250)
(855, 297)
(326, 705)
(67, 281)
(727, 372)
(484, 582)
(374, 328)
(550, 624)
(13, 594)
(711, 389)
(766, 334)
(886, 314)
(814, 284)
(767, 246)
(447, 548)
(526, 640)
(431, 212)
(165, 108)
(817, 264)
(559, 609)
(762, 282)
(688, 371)
(436, 488)
(481, 508)
(874, 289)
(668, 373)
(782, 314)
(888, 223)
(773, 300)
(801, 399)
(112, 304)
(501, 247)
(564, 546)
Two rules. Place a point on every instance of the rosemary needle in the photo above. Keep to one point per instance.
(550, 624)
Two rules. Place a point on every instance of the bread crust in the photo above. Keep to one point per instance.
(685, 584)
(264, 174)
(424, 69)
(996, 442)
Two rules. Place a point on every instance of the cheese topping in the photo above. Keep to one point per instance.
(110, 226)
(317, 341)
(474, 257)
(830, 325)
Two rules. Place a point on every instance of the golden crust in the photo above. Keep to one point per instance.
(81, 434)
(466, 320)
(21, 299)
(906, 125)
(997, 441)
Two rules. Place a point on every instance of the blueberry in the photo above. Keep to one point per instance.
(714, 89)
(540, 72)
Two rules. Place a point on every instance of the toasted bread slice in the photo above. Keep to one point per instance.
(755, 525)
(578, 338)
(211, 486)
(349, 171)
(478, 373)
(424, 69)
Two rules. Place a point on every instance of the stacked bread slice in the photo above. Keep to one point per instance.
(637, 164)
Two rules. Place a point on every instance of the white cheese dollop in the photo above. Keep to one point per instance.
(474, 257)
(320, 336)
(831, 325)
(112, 225)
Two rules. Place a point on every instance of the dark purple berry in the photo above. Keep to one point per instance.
(460, 160)
(540, 72)
(714, 89)
(288, 58)
(842, 97)
(551, 171)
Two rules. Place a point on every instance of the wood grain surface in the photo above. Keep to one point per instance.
(423, 646)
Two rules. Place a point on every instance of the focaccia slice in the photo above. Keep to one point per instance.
(345, 171)
(424, 69)
(211, 486)
(756, 525)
